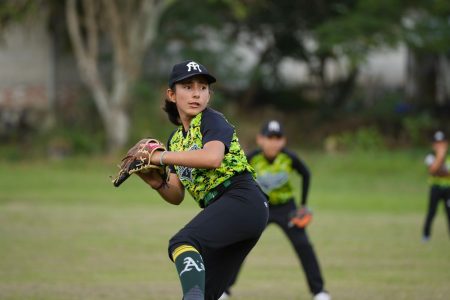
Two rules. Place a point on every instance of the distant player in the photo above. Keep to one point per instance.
(438, 164)
(274, 165)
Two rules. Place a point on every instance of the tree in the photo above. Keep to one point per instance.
(130, 27)
(14, 11)
(249, 41)
(319, 32)
(273, 32)
(421, 25)
(426, 33)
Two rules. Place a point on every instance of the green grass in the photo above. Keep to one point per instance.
(66, 233)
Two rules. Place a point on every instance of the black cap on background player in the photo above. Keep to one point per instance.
(187, 69)
(272, 128)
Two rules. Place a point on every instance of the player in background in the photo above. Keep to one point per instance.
(438, 164)
(206, 159)
(274, 165)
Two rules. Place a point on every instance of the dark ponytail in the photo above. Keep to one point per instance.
(172, 112)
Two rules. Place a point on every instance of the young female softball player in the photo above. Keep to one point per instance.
(206, 159)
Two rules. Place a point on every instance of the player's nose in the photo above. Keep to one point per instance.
(196, 91)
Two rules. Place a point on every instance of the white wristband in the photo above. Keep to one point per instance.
(161, 163)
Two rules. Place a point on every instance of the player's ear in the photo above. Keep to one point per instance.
(259, 139)
(170, 95)
(283, 141)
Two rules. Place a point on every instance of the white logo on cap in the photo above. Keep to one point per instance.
(194, 66)
(274, 126)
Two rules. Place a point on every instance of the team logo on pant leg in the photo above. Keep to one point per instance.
(190, 264)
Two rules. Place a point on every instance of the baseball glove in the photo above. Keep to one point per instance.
(301, 218)
(138, 160)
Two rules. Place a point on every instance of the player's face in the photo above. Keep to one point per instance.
(271, 145)
(191, 96)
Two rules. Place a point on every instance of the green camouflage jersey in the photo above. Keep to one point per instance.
(207, 126)
(274, 176)
(443, 181)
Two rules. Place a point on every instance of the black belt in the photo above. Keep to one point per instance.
(215, 192)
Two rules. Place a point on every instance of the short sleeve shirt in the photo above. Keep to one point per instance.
(208, 126)
(274, 176)
(438, 180)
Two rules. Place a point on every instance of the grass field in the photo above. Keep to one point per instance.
(66, 234)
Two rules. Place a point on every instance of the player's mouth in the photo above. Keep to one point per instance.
(194, 105)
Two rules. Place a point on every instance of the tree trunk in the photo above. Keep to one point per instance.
(421, 78)
(340, 91)
(247, 100)
(117, 128)
(131, 27)
(443, 81)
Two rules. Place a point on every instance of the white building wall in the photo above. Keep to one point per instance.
(385, 67)
(24, 55)
(25, 66)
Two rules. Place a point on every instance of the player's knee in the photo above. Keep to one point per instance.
(178, 241)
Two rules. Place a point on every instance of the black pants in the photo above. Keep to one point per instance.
(225, 232)
(437, 193)
(279, 214)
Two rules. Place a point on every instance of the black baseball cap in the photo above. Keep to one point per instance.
(188, 69)
(272, 128)
(439, 136)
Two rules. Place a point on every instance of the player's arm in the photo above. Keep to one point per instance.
(441, 151)
(209, 157)
(304, 172)
(217, 135)
(303, 216)
(172, 191)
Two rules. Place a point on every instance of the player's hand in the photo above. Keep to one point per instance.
(138, 160)
(152, 177)
(301, 218)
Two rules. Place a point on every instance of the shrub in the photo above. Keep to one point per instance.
(363, 139)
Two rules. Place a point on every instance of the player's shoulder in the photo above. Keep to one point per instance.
(214, 118)
(290, 153)
(294, 158)
(213, 114)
